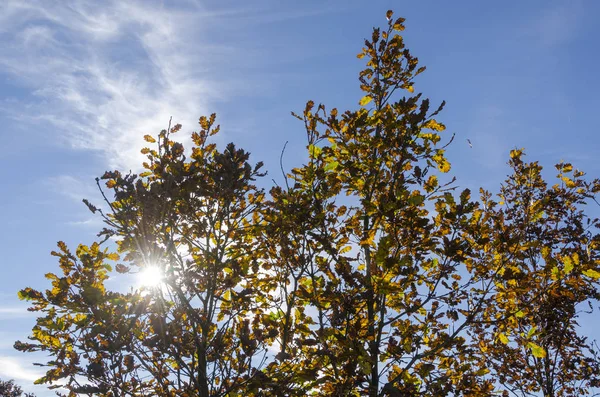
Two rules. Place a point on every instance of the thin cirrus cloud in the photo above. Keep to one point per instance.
(13, 368)
(14, 312)
(106, 73)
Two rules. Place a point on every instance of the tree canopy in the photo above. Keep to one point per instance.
(365, 272)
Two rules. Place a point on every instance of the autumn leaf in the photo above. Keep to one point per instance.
(536, 350)
(365, 100)
(592, 273)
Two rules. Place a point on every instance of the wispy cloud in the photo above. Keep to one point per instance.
(12, 368)
(13, 312)
(103, 74)
(106, 73)
(71, 187)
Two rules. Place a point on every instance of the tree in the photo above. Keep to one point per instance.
(552, 272)
(9, 389)
(365, 273)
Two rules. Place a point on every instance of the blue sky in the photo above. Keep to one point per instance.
(82, 81)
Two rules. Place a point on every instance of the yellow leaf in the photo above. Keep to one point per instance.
(314, 151)
(111, 183)
(365, 100)
(592, 274)
(576, 258)
(568, 265)
(345, 249)
(503, 338)
(536, 350)
(443, 165)
(361, 55)
(568, 182)
(516, 153)
(410, 89)
(149, 138)
(434, 125)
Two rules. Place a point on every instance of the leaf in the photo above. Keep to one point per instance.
(516, 153)
(120, 268)
(443, 165)
(537, 351)
(568, 265)
(555, 275)
(434, 125)
(503, 338)
(149, 139)
(365, 100)
(314, 151)
(331, 166)
(592, 274)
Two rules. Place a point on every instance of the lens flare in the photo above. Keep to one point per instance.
(150, 276)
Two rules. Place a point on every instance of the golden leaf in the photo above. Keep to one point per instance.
(503, 338)
(592, 274)
(537, 351)
(365, 100)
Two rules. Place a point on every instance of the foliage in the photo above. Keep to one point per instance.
(551, 250)
(9, 389)
(366, 273)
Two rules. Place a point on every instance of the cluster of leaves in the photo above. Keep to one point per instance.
(364, 274)
(10, 389)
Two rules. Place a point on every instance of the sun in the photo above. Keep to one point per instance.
(150, 276)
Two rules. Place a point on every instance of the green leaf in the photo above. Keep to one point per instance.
(331, 166)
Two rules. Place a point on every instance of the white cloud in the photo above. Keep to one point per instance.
(12, 312)
(72, 187)
(105, 73)
(11, 368)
